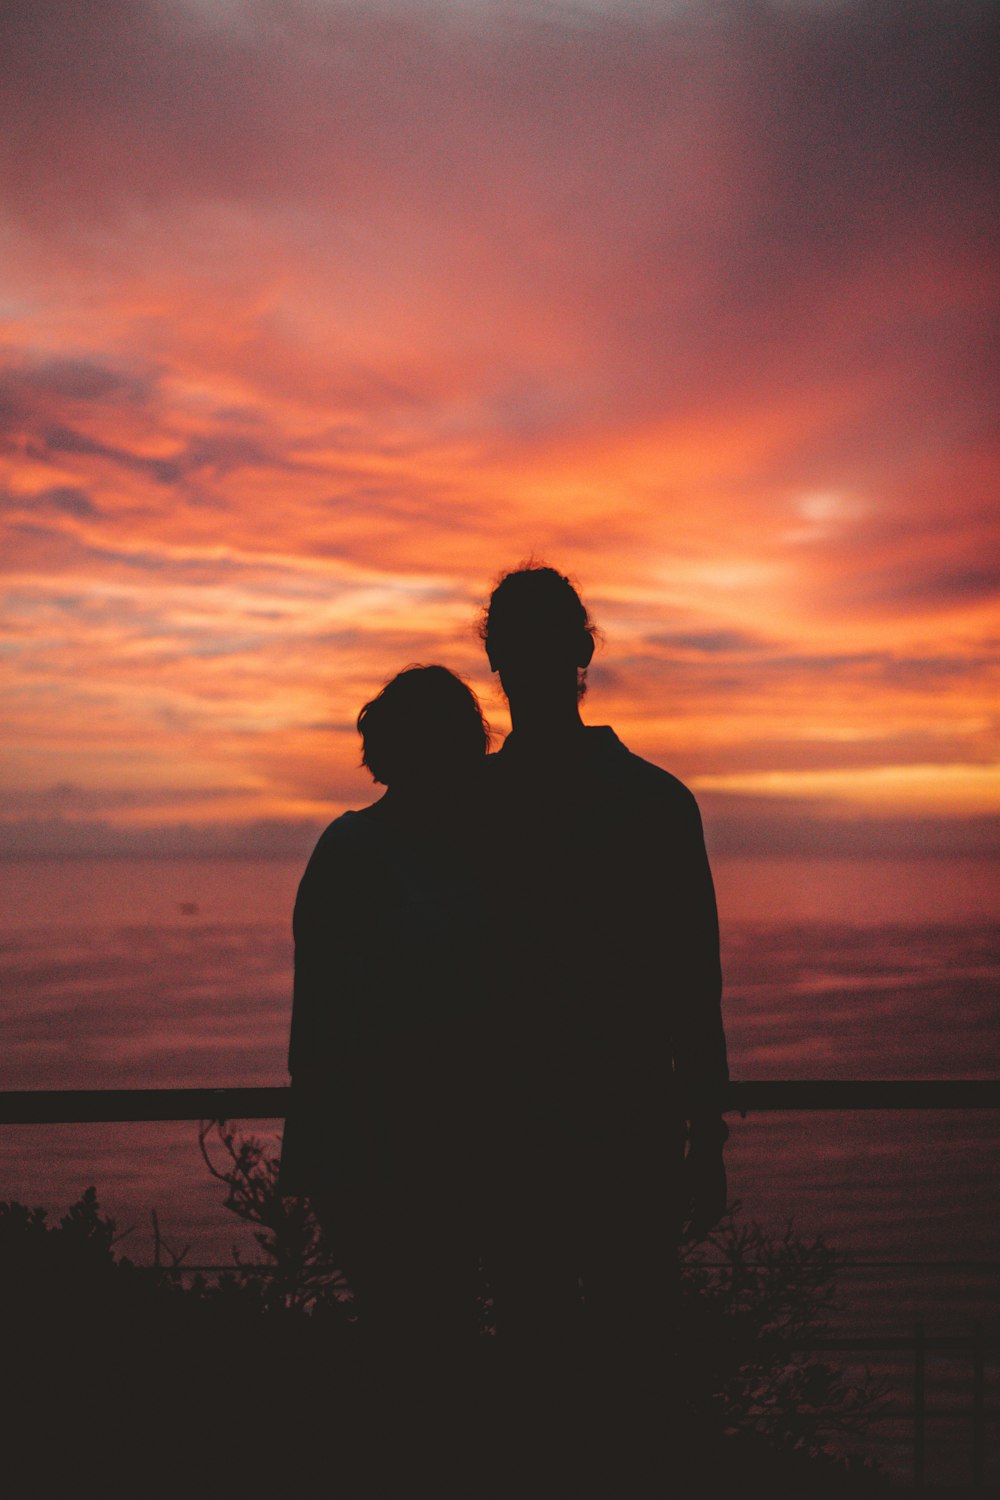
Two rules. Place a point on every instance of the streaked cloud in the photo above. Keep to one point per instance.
(315, 318)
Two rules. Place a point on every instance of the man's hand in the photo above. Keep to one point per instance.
(704, 1183)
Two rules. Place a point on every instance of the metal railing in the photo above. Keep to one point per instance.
(919, 1346)
(99, 1106)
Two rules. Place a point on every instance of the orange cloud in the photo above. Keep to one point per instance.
(313, 322)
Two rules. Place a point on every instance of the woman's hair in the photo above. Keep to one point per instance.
(425, 720)
(535, 608)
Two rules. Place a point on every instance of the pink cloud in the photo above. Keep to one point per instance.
(316, 318)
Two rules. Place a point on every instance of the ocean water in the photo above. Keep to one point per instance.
(119, 973)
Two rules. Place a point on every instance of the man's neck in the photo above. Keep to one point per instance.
(544, 727)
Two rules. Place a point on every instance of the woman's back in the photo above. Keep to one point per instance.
(388, 923)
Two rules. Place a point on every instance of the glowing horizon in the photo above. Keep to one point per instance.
(314, 322)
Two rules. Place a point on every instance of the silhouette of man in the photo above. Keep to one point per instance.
(609, 1057)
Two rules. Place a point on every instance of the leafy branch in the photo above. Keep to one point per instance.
(301, 1273)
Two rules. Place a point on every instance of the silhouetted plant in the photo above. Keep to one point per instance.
(747, 1322)
(72, 1263)
(750, 1324)
(302, 1274)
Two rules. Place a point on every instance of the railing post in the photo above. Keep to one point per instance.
(978, 1410)
(919, 1412)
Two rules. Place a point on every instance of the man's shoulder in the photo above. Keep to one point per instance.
(641, 776)
(660, 782)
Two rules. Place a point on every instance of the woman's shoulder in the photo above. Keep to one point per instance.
(341, 860)
(352, 832)
(341, 829)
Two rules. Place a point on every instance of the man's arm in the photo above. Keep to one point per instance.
(700, 1060)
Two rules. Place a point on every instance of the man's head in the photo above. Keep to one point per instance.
(538, 634)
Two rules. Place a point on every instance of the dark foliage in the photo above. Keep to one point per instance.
(301, 1275)
(754, 1307)
(241, 1376)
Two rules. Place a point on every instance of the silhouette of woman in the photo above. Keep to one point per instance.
(383, 1042)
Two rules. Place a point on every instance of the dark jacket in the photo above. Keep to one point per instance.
(386, 928)
(607, 938)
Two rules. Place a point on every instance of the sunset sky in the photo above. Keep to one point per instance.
(315, 316)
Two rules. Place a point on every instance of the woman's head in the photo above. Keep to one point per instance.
(425, 726)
